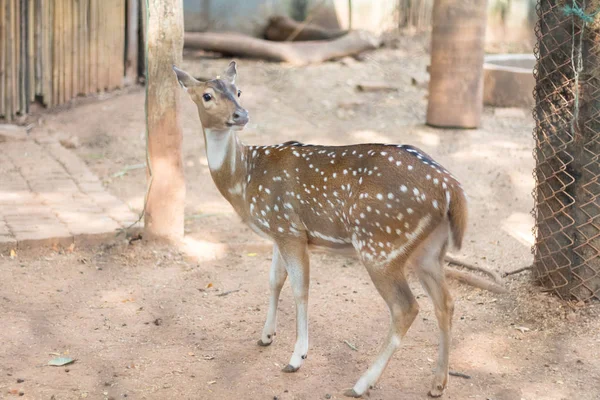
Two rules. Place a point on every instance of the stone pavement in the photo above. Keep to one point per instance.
(48, 196)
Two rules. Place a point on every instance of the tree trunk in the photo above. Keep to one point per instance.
(457, 49)
(165, 202)
(567, 114)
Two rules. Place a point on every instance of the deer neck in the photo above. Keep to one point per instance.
(226, 161)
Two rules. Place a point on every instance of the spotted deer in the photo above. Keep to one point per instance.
(391, 204)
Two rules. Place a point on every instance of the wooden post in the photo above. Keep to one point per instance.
(131, 58)
(165, 202)
(457, 49)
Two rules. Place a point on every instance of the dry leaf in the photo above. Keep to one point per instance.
(60, 361)
(209, 285)
(71, 248)
(191, 354)
(212, 382)
(252, 254)
(13, 253)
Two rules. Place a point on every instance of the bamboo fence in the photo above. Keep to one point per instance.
(52, 51)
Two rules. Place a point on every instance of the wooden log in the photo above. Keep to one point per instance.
(68, 71)
(100, 43)
(143, 38)
(17, 59)
(39, 43)
(113, 42)
(92, 48)
(282, 28)
(54, 7)
(10, 40)
(295, 53)
(75, 48)
(122, 14)
(50, 64)
(131, 60)
(85, 46)
(166, 195)
(3, 45)
(61, 51)
(31, 41)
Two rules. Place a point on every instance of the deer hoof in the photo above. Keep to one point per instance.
(436, 391)
(352, 393)
(289, 368)
(263, 344)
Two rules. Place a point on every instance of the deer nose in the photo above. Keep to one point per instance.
(240, 116)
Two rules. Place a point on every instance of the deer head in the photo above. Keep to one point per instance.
(217, 99)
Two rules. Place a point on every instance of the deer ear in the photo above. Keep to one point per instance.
(185, 80)
(231, 72)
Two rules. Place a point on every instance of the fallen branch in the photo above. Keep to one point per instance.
(285, 29)
(295, 53)
(353, 347)
(487, 271)
(517, 271)
(375, 87)
(474, 280)
(459, 374)
(228, 292)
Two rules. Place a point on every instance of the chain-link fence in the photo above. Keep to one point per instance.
(567, 136)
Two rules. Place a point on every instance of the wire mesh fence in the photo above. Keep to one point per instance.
(567, 136)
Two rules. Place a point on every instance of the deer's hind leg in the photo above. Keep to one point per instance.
(391, 283)
(428, 262)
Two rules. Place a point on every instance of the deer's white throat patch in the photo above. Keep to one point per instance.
(220, 147)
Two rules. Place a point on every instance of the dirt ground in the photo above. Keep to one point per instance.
(148, 321)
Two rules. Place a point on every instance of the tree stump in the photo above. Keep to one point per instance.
(457, 50)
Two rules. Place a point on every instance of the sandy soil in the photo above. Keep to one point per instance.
(146, 321)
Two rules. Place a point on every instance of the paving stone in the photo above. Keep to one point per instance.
(93, 225)
(90, 187)
(49, 196)
(17, 198)
(4, 231)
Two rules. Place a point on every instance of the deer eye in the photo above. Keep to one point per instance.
(207, 97)
(239, 93)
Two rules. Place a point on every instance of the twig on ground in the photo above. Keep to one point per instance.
(353, 347)
(518, 271)
(127, 169)
(459, 374)
(228, 292)
(487, 271)
(474, 280)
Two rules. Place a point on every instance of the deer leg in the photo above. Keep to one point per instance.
(403, 310)
(432, 278)
(295, 257)
(277, 278)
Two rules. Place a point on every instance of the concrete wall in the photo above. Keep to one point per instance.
(251, 16)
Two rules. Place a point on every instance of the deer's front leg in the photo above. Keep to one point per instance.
(295, 257)
(277, 278)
